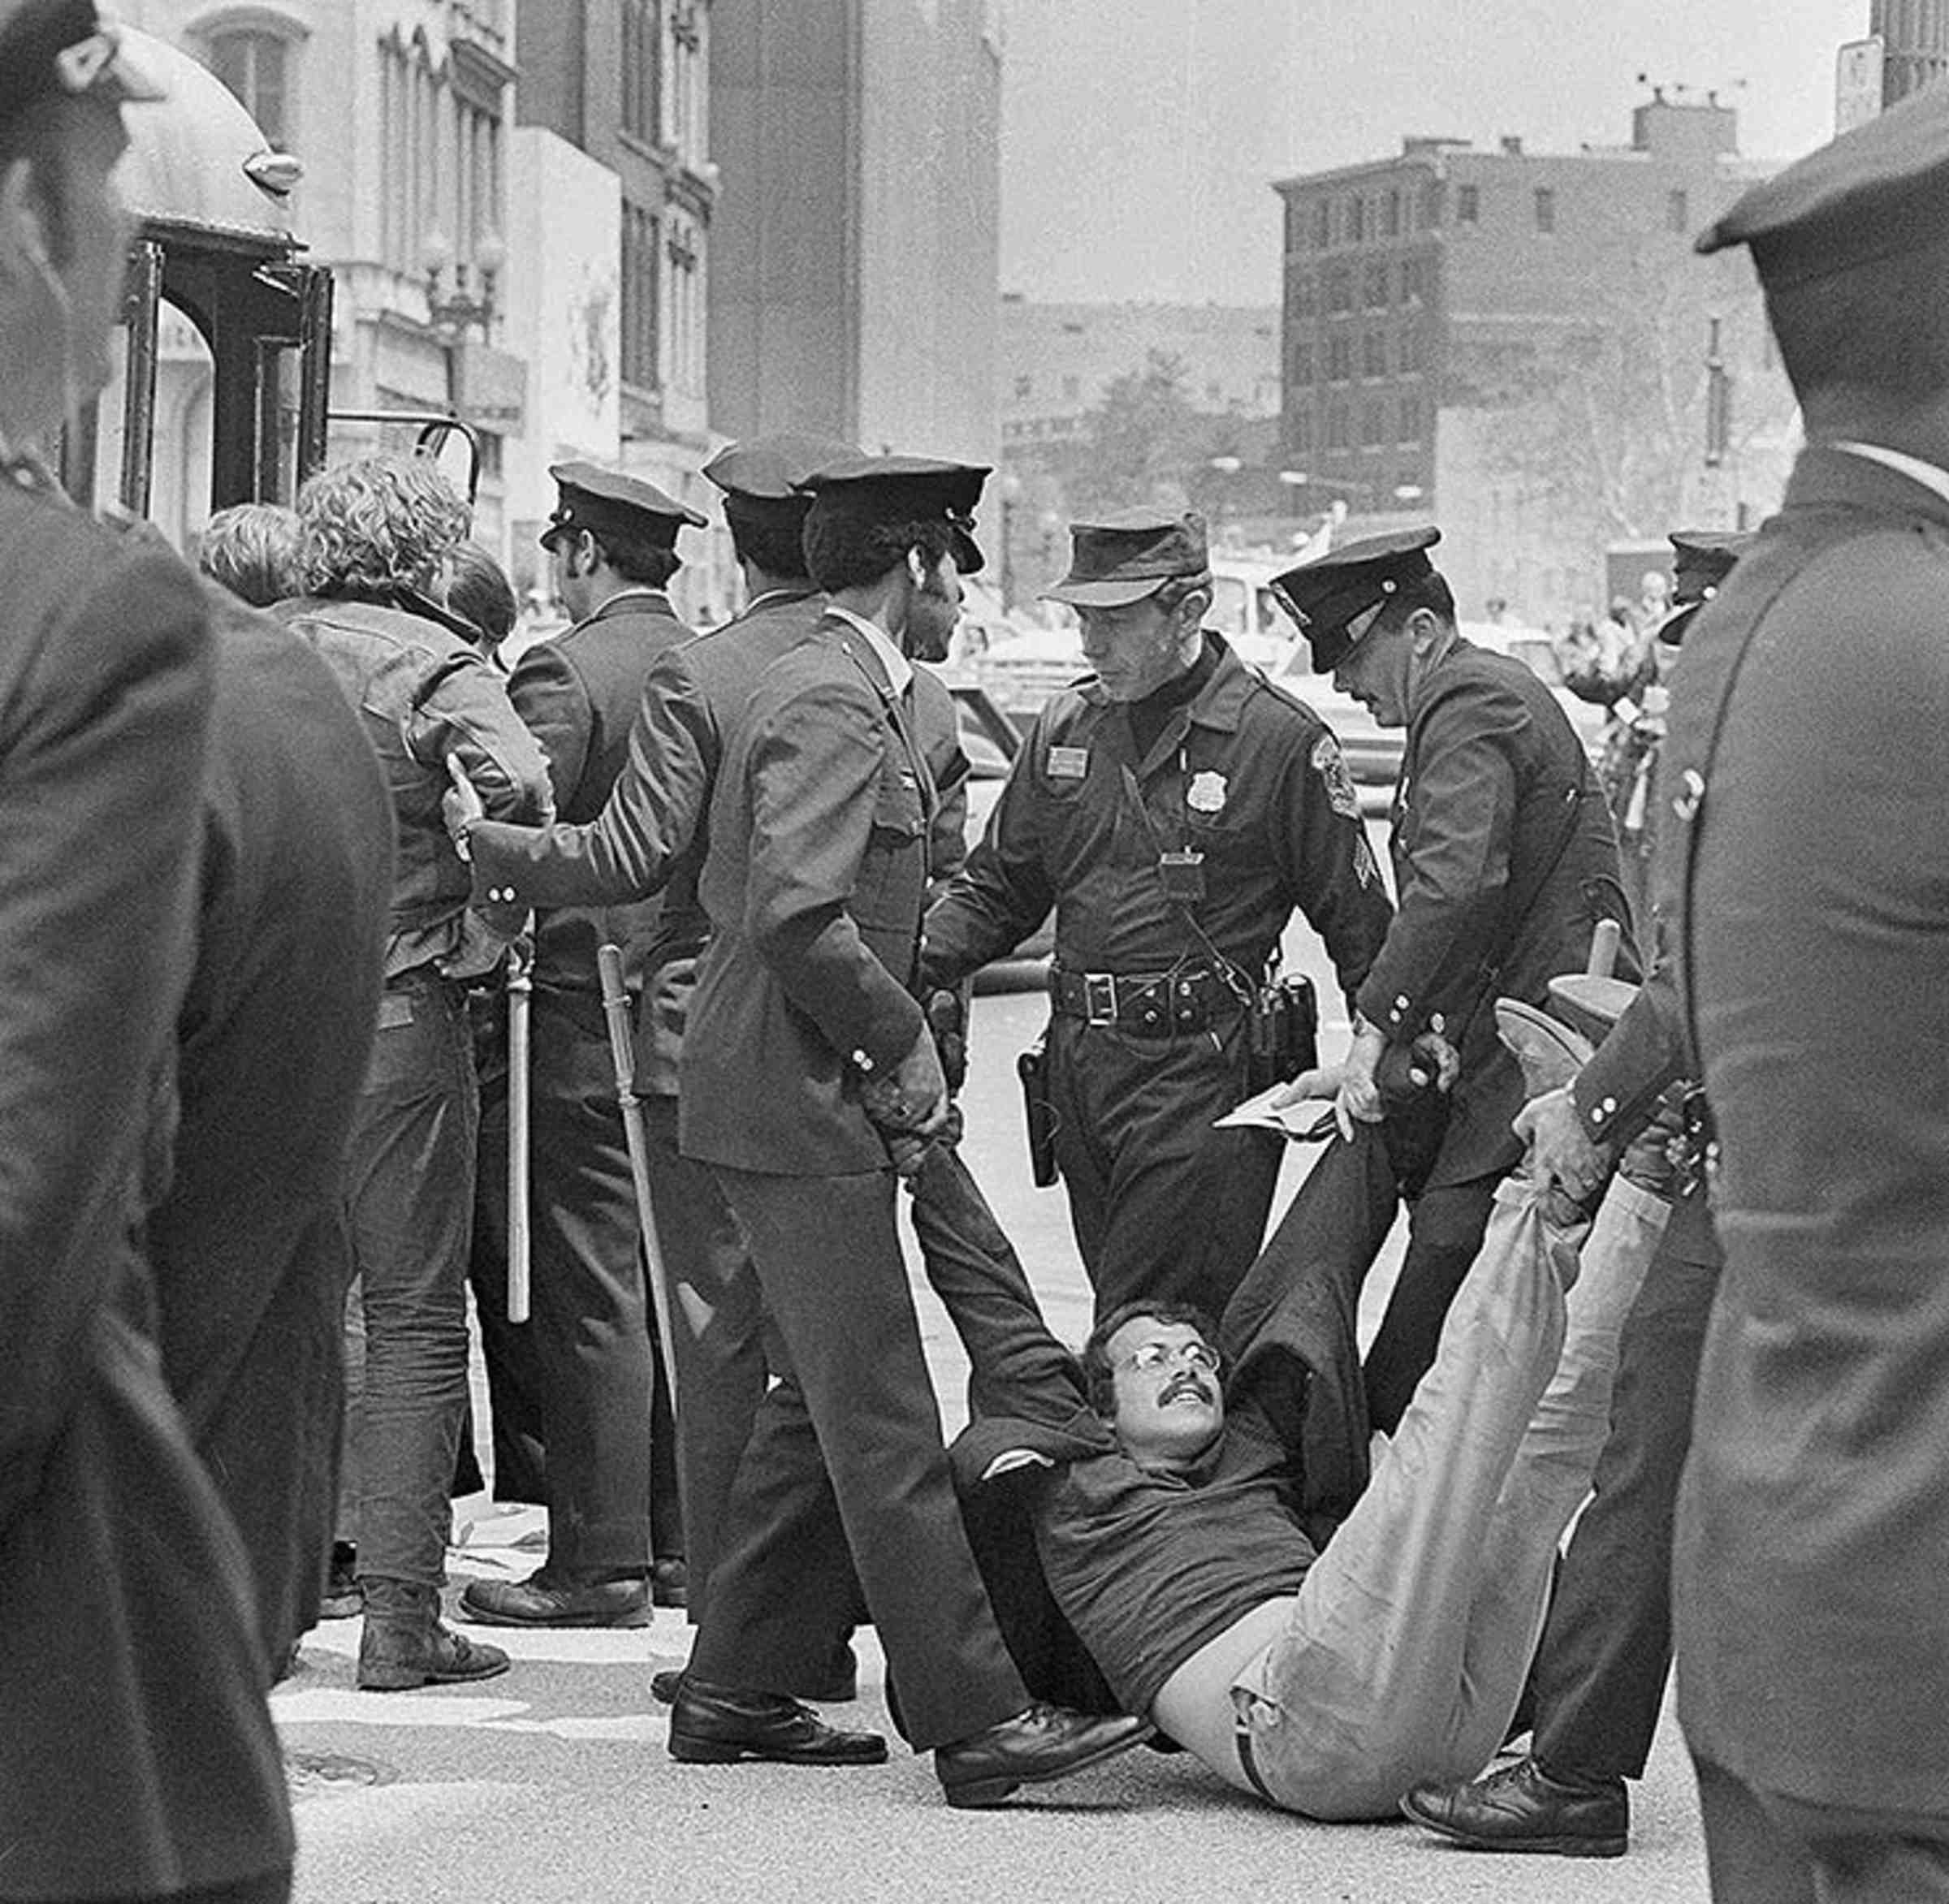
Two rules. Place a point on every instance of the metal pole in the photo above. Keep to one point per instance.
(616, 1014)
(520, 992)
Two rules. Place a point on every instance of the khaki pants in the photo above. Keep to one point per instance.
(1412, 1634)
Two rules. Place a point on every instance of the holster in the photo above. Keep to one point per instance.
(1032, 1068)
(1282, 1033)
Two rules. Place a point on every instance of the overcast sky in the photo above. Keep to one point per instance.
(1140, 137)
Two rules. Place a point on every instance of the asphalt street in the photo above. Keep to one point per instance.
(552, 1782)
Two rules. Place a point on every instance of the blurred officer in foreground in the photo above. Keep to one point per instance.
(1175, 807)
(373, 533)
(1598, 1683)
(137, 1758)
(590, 1348)
(1806, 880)
(803, 1016)
(1504, 861)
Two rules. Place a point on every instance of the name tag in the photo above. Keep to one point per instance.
(1069, 763)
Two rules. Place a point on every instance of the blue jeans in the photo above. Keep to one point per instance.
(410, 1191)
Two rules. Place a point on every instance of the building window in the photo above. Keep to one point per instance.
(1374, 286)
(643, 69)
(1338, 296)
(1546, 209)
(1390, 215)
(643, 290)
(1356, 221)
(1431, 206)
(1299, 367)
(1408, 356)
(1299, 433)
(684, 252)
(1336, 426)
(1373, 425)
(1411, 419)
(1414, 280)
(1468, 204)
(1678, 212)
(1306, 295)
(686, 81)
(1339, 358)
(1323, 223)
(255, 66)
(1373, 354)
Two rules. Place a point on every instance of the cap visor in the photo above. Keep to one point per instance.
(124, 80)
(1671, 629)
(968, 557)
(1104, 594)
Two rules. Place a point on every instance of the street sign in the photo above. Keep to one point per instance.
(1857, 82)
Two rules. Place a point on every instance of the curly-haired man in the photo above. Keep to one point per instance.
(371, 534)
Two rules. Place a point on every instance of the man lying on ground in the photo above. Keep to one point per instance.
(1326, 1654)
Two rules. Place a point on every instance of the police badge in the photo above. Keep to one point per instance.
(1206, 793)
(1330, 765)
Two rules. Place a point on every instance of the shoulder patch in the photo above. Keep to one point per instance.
(1329, 763)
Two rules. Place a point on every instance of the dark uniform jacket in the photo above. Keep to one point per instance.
(815, 883)
(654, 832)
(137, 1756)
(424, 692)
(579, 695)
(1505, 859)
(1245, 774)
(1805, 870)
(250, 1255)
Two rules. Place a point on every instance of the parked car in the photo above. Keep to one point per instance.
(991, 740)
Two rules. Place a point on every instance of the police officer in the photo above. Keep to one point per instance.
(610, 1473)
(1805, 874)
(1175, 808)
(1598, 1684)
(1701, 560)
(1504, 861)
(138, 1759)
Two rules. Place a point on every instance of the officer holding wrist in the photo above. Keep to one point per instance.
(1505, 859)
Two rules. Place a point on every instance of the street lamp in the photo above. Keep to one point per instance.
(460, 296)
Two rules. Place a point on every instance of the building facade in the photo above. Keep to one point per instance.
(1915, 35)
(1056, 361)
(616, 328)
(402, 109)
(856, 246)
(1516, 344)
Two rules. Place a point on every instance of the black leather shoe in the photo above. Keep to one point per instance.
(1522, 1808)
(719, 1725)
(538, 1601)
(1044, 1743)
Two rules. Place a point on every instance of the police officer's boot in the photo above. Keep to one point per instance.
(404, 1644)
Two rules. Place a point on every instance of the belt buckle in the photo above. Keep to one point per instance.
(1100, 986)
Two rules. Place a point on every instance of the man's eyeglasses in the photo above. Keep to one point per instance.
(1156, 1355)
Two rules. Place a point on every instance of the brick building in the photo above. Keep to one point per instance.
(1514, 343)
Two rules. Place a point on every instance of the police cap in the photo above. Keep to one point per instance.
(1127, 556)
(1701, 560)
(894, 489)
(774, 468)
(1327, 595)
(1879, 190)
(54, 46)
(606, 502)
